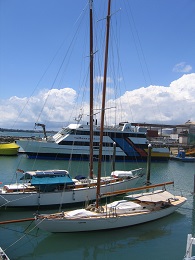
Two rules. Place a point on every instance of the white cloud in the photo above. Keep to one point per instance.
(153, 104)
(49, 105)
(182, 67)
(159, 104)
(100, 79)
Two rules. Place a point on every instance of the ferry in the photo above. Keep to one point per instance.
(72, 142)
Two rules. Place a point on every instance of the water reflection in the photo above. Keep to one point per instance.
(165, 238)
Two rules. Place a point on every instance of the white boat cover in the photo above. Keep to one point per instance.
(122, 174)
(16, 186)
(156, 196)
(80, 213)
(46, 172)
(124, 204)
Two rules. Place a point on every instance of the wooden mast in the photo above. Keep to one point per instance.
(91, 89)
(103, 104)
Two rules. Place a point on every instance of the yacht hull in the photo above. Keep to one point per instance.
(104, 222)
(31, 199)
(125, 151)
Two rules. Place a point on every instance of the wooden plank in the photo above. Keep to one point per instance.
(16, 221)
(136, 189)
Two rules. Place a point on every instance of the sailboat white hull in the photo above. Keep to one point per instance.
(104, 222)
(77, 195)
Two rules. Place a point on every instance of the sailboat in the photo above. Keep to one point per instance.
(73, 141)
(57, 187)
(135, 209)
(143, 208)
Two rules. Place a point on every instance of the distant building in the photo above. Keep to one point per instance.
(182, 134)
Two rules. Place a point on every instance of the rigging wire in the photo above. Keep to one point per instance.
(141, 56)
(47, 69)
(59, 70)
(25, 234)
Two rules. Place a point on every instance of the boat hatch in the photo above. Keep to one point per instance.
(155, 196)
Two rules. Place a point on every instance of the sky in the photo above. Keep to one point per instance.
(44, 61)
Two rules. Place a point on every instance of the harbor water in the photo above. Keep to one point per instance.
(163, 239)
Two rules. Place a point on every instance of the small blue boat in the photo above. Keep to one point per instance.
(181, 156)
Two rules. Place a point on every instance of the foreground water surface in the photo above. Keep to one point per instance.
(161, 239)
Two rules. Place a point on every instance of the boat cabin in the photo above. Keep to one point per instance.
(49, 180)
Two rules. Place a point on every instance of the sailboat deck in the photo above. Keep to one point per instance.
(104, 212)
